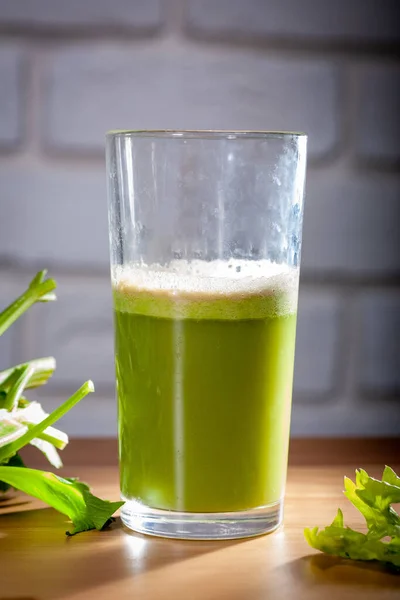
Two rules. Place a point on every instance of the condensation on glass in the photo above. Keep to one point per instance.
(205, 244)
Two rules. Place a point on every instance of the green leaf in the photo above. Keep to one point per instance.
(43, 369)
(374, 518)
(69, 497)
(35, 431)
(9, 380)
(10, 429)
(377, 493)
(16, 423)
(373, 498)
(15, 461)
(338, 520)
(55, 437)
(23, 375)
(389, 476)
(347, 543)
(31, 415)
(23, 422)
(39, 290)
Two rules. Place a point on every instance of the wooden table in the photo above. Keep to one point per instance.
(37, 561)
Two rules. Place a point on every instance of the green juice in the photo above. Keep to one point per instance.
(204, 385)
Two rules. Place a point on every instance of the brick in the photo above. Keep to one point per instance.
(350, 224)
(380, 342)
(11, 61)
(318, 330)
(347, 416)
(54, 215)
(378, 124)
(78, 331)
(167, 85)
(358, 20)
(81, 13)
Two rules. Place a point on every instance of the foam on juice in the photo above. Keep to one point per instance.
(233, 289)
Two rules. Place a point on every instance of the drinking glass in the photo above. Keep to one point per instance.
(205, 239)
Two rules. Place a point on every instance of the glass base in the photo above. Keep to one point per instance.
(202, 526)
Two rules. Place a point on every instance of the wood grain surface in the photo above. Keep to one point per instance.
(37, 561)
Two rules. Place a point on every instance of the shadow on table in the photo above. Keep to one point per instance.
(322, 569)
(33, 542)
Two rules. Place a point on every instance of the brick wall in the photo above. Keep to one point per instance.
(70, 71)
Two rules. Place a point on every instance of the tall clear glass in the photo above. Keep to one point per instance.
(205, 238)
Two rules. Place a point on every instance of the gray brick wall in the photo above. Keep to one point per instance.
(380, 354)
(70, 71)
(11, 95)
(78, 14)
(61, 210)
(78, 330)
(309, 20)
(171, 85)
(319, 340)
(351, 223)
(10, 340)
(378, 131)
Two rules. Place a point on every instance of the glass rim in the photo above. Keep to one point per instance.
(205, 133)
